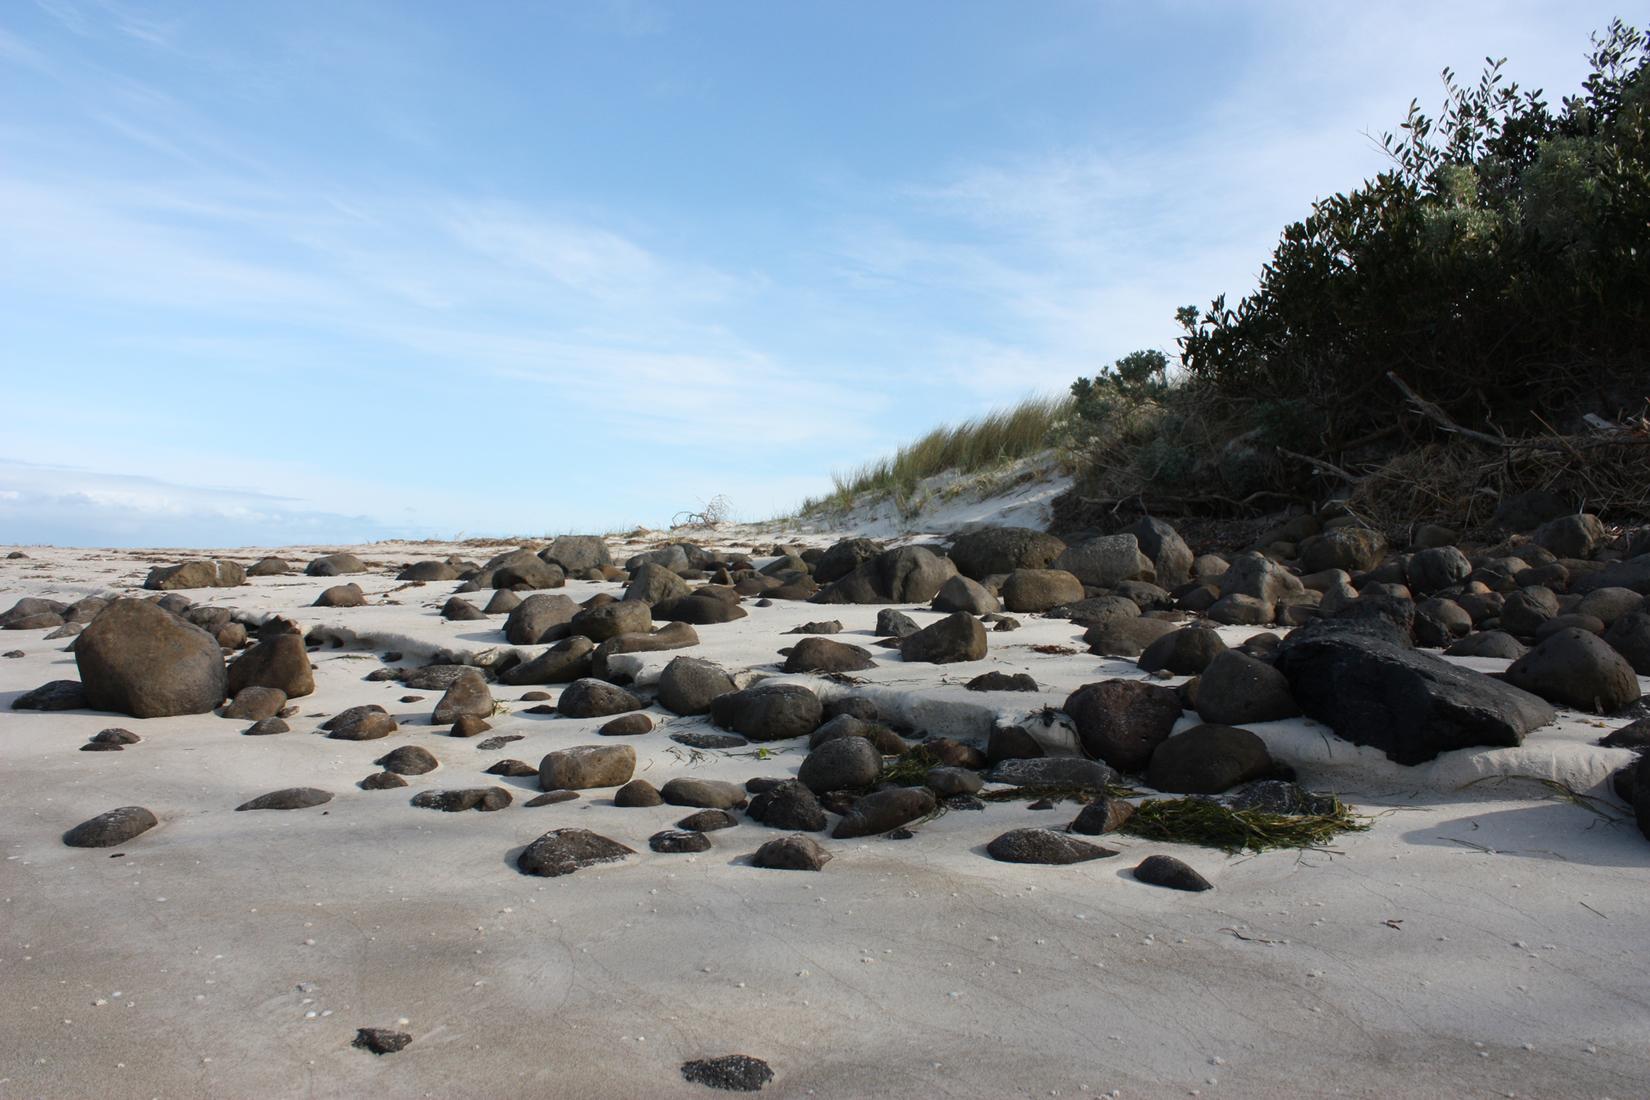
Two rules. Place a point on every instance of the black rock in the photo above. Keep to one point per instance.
(880, 811)
(705, 739)
(1576, 669)
(1103, 815)
(515, 768)
(1171, 872)
(550, 798)
(589, 698)
(676, 841)
(791, 853)
(381, 1040)
(1043, 846)
(1186, 652)
(774, 712)
(1208, 759)
(732, 1072)
(788, 805)
(56, 695)
(113, 827)
(498, 742)
(957, 637)
(841, 763)
(1053, 771)
(485, 799)
(1123, 721)
(1002, 681)
(895, 624)
(115, 736)
(563, 851)
(1236, 689)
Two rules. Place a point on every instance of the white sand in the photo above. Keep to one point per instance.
(1479, 942)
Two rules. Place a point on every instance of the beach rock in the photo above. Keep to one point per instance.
(568, 660)
(288, 798)
(708, 821)
(550, 798)
(791, 853)
(895, 624)
(502, 602)
(381, 781)
(1184, 652)
(729, 1072)
(773, 712)
(788, 805)
(111, 827)
(1279, 796)
(468, 695)
(468, 725)
(515, 769)
(843, 558)
(962, 594)
(427, 571)
(269, 567)
(381, 1040)
(880, 811)
(1572, 536)
(524, 569)
(1106, 561)
(949, 781)
(823, 655)
(689, 684)
(1629, 636)
(1104, 815)
(1172, 873)
(543, 616)
(831, 626)
(277, 661)
(1043, 846)
(54, 695)
(669, 636)
(266, 727)
(989, 551)
(611, 620)
(408, 760)
(638, 793)
(1002, 681)
(137, 659)
(577, 553)
(909, 574)
(679, 841)
(955, 638)
(1171, 558)
(590, 698)
(633, 724)
(563, 851)
(1038, 590)
(252, 704)
(342, 595)
(1063, 772)
(587, 766)
(1523, 612)
(335, 565)
(1236, 689)
(841, 763)
(195, 574)
(652, 584)
(1610, 604)
(1354, 549)
(1436, 569)
(1633, 574)
(707, 739)
(1208, 759)
(1123, 721)
(1411, 705)
(1125, 637)
(482, 799)
(1256, 575)
(363, 723)
(1576, 669)
(115, 736)
(715, 794)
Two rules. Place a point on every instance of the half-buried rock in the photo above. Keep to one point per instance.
(688, 684)
(1123, 721)
(408, 760)
(1043, 846)
(279, 661)
(288, 798)
(468, 696)
(484, 799)
(587, 766)
(1576, 669)
(814, 654)
(791, 853)
(884, 810)
(1208, 759)
(367, 722)
(1171, 872)
(591, 698)
(563, 851)
(139, 659)
(108, 829)
(772, 712)
(957, 637)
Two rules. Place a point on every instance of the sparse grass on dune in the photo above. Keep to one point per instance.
(998, 437)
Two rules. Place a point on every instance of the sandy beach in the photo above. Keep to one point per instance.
(1479, 941)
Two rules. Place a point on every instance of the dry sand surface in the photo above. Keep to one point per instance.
(1482, 942)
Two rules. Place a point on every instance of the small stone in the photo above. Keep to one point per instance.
(791, 853)
(381, 1040)
(705, 739)
(677, 841)
(265, 727)
(1171, 872)
(627, 725)
(515, 768)
(288, 798)
(550, 798)
(111, 828)
(1044, 846)
(115, 736)
(731, 1072)
(563, 851)
(469, 725)
(638, 793)
(498, 742)
(408, 760)
(485, 799)
(707, 821)
(381, 781)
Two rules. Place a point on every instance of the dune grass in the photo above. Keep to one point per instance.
(985, 442)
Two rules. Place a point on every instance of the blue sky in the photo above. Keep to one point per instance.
(308, 271)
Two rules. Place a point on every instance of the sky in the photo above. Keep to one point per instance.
(300, 272)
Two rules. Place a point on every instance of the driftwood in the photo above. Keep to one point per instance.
(1616, 437)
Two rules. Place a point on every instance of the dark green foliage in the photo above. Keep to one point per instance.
(1501, 267)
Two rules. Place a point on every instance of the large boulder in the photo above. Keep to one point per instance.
(957, 637)
(592, 698)
(540, 617)
(564, 662)
(654, 584)
(1123, 721)
(1572, 536)
(884, 810)
(465, 696)
(843, 558)
(279, 660)
(816, 654)
(1107, 561)
(1629, 636)
(563, 851)
(1183, 652)
(609, 620)
(1038, 590)
(962, 594)
(769, 712)
(577, 553)
(1170, 556)
(909, 574)
(1208, 759)
(584, 767)
(335, 565)
(138, 659)
(989, 551)
(1354, 549)
(688, 685)
(841, 762)
(1577, 669)
(195, 574)
(1256, 575)
(110, 828)
(1373, 690)
(1236, 689)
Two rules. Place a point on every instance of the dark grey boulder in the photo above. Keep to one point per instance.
(591, 698)
(774, 712)
(839, 763)
(1354, 549)
(679, 841)
(467, 697)
(1037, 590)
(1184, 652)
(962, 594)
(543, 616)
(288, 798)
(1002, 681)
(268, 567)
(632, 724)
(428, 571)
(568, 660)
(1171, 558)
(563, 851)
(53, 695)
(481, 799)
(1208, 759)
(408, 760)
(253, 704)
(1172, 873)
(688, 685)
(1104, 815)
(1062, 772)
(1236, 689)
(1107, 561)
(843, 558)
(1577, 669)
(653, 584)
(791, 853)
(335, 565)
(1411, 705)
(1044, 846)
(788, 805)
(884, 810)
(195, 574)
(1125, 637)
(137, 659)
(895, 624)
(955, 638)
(1123, 721)
(1436, 569)
(111, 827)
(636, 794)
(367, 722)
(909, 574)
(715, 794)
(823, 655)
(988, 551)
(342, 595)
(1629, 636)
(708, 820)
(578, 553)
(278, 660)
